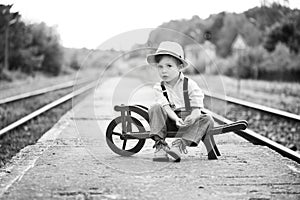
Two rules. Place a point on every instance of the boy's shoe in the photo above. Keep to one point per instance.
(178, 147)
(160, 154)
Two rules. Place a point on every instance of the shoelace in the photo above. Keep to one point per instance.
(182, 147)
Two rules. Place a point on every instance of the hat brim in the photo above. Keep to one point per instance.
(151, 58)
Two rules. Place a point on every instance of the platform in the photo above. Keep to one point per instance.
(72, 161)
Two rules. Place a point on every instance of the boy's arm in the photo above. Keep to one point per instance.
(195, 115)
(170, 112)
(172, 115)
(196, 97)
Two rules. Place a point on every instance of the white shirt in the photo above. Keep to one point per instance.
(175, 94)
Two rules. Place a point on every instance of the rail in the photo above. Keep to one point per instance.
(47, 107)
(258, 139)
(254, 106)
(41, 91)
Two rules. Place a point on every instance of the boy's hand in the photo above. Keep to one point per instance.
(180, 123)
(189, 120)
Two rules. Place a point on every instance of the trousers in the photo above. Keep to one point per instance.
(160, 123)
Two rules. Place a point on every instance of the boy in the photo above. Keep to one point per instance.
(172, 95)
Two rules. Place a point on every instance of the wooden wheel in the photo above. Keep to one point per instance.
(116, 141)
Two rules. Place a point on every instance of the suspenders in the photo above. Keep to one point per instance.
(164, 91)
(185, 93)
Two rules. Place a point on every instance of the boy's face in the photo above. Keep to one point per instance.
(168, 68)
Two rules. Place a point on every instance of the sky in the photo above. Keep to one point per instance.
(94, 23)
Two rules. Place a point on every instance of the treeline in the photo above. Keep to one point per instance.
(258, 63)
(27, 47)
(272, 34)
(277, 57)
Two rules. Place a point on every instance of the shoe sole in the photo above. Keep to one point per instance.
(174, 155)
(161, 159)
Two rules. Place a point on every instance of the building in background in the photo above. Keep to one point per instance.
(239, 44)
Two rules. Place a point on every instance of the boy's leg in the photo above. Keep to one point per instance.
(157, 118)
(191, 136)
(194, 133)
(177, 147)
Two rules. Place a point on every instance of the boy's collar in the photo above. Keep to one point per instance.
(181, 76)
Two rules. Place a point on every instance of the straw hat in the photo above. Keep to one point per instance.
(168, 48)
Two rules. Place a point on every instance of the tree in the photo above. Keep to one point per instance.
(47, 41)
(6, 20)
(74, 62)
(28, 47)
(287, 32)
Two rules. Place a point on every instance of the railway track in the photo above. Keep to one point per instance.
(255, 106)
(247, 134)
(254, 137)
(46, 107)
(25, 95)
(26, 130)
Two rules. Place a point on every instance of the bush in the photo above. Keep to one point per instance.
(257, 63)
(248, 64)
(29, 62)
(47, 41)
(74, 63)
(53, 60)
(279, 65)
(225, 66)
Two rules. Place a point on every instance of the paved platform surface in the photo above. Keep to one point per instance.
(72, 161)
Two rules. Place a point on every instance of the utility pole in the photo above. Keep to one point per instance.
(9, 19)
(238, 46)
(6, 51)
